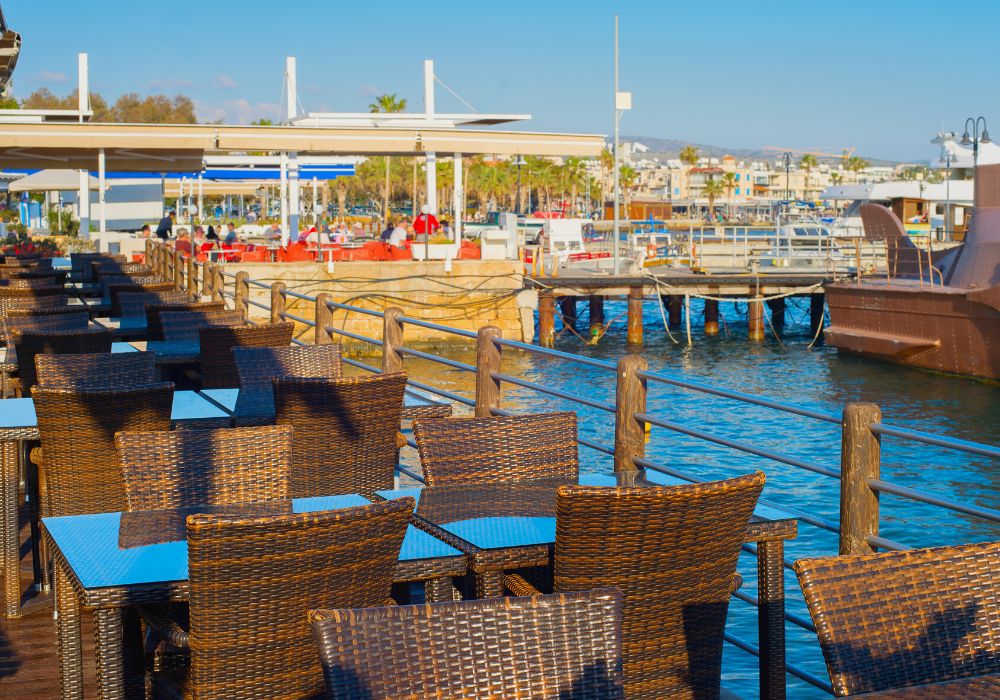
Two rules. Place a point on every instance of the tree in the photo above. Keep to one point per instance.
(574, 174)
(729, 183)
(388, 104)
(628, 178)
(856, 164)
(807, 163)
(689, 155)
(713, 190)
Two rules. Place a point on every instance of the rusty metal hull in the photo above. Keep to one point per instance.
(948, 329)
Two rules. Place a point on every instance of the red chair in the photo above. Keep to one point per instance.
(400, 253)
(256, 255)
(295, 253)
(469, 251)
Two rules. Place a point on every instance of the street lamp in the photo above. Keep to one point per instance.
(947, 191)
(517, 204)
(787, 158)
(978, 137)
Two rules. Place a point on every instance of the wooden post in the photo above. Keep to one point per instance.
(567, 305)
(192, 276)
(755, 319)
(634, 335)
(392, 338)
(777, 307)
(208, 280)
(596, 306)
(860, 457)
(243, 293)
(149, 252)
(324, 319)
(711, 317)
(179, 268)
(630, 399)
(674, 309)
(488, 357)
(816, 314)
(277, 302)
(546, 319)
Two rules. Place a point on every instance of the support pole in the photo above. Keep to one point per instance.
(431, 156)
(675, 305)
(294, 204)
(567, 306)
(458, 197)
(283, 195)
(488, 363)
(546, 319)
(777, 307)
(101, 173)
(634, 335)
(596, 315)
(711, 317)
(755, 319)
(630, 399)
(84, 204)
(860, 457)
(817, 313)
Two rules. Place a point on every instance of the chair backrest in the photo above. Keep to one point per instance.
(56, 319)
(253, 581)
(258, 366)
(23, 293)
(182, 468)
(185, 324)
(899, 619)
(33, 282)
(133, 304)
(30, 302)
(501, 448)
(672, 551)
(77, 430)
(100, 370)
(551, 646)
(115, 290)
(28, 344)
(218, 368)
(345, 431)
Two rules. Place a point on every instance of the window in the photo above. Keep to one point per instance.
(737, 179)
(737, 190)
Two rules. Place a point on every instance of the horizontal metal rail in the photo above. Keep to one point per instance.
(596, 446)
(876, 541)
(301, 342)
(443, 393)
(977, 448)
(355, 336)
(791, 617)
(297, 295)
(929, 498)
(799, 673)
(465, 367)
(357, 309)
(299, 319)
(510, 379)
(412, 474)
(559, 354)
(266, 307)
(739, 445)
(255, 283)
(740, 396)
(360, 365)
(436, 327)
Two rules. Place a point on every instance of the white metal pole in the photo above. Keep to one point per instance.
(83, 85)
(294, 204)
(292, 108)
(201, 200)
(283, 196)
(458, 197)
(84, 204)
(101, 164)
(315, 201)
(617, 225)
(431, 155)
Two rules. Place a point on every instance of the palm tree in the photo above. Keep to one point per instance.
(387, 104)
(856, 164)
(607, 168)
(689, 155)
(573, 175)
(713, 190)
(628, 178)
(729, 183)
(807, 163)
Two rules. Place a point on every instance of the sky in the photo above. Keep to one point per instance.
(881, 76)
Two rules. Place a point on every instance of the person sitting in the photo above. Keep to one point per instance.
(273, 233)
(398, 236)
(388, 231)
(183, 242)
(144, 232)
(231, 236)
(426, 223)
(199, 239)
(211, 235)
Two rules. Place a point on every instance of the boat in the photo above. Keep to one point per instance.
(934, 310)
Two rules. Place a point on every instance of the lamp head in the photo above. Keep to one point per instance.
(985, 138)
(966, 141)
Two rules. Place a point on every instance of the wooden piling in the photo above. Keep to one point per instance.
(567, 306)
(860, 458)
(630, 399)
(596, 307)
(674, 307)
(634, 335)
(777, 307)
(488, 363)
(817, 314)
(546, 319)
(711, 317)
(755, 319)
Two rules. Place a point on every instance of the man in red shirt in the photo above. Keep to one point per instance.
(426, 223)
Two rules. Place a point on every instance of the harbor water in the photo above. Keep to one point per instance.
(788, 371)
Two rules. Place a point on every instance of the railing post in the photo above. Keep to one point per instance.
(546, 319)
(860, 457)
(192, 276)
(208, 280)
(178, 270)
(149, 251)
(630, 399)
(218, 284)
(392, 338)
(243, 293)
(634, 329)
(488, 358)
(324, 318)
(277, 302)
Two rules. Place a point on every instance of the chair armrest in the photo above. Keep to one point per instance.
(400, 441)
(36, 456)
(159, 619)
(518, 586)
(737, 582)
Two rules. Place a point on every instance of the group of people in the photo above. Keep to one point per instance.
(424, 225)
(185, 241)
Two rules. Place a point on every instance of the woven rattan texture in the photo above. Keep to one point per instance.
(218, 368)
(258, 366)
(28, 344)
(121, 370)
(184, 325)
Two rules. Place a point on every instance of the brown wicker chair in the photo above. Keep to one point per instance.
(182, 468)
(183, 324)
(900, 619)
(29, 282)
(253, 581)
(218, 368)
(122, 370)
(77, 429)
(30, 302)
(345, 431)
(257, 367)
(554, 646)
(133, 304)
(115, 290)
(28, 344)
(65, 318)
(153, 311)
(503, 448)
(672, 551)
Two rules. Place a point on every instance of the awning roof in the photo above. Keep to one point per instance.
(213, 187)
(50, 181)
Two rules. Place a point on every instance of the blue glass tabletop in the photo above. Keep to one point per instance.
(230, 397)
(125, 549)
(187, 405)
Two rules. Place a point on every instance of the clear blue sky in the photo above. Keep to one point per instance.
(881, 75)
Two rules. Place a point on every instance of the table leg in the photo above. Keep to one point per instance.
(771, 618)
(9, 536)
(68, 636)
(30, 469)
(440, 590)
(110, 661)
(489, 584)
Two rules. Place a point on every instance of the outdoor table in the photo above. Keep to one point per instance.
(510, 525)
(131, 327)
(108, 561)
(8, 365)
(17, 424)
(175, 352)
(977, 687)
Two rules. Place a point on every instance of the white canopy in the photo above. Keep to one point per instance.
(51, 181)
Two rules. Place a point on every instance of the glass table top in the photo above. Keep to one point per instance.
(260, 401)
(123, 549)
(187, 405)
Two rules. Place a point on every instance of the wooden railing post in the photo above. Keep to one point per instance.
(149, 251)
(860, 457)
(178, 270)
(243, 293)
(277, 302)
(546, 319)
(219, 286)
(208, 280)
(392, 338)
(192, 276)
(488, 358)
(630, 399)
(324, 319)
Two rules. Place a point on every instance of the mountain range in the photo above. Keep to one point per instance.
(670, 148)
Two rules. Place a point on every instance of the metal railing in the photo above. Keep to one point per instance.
(861, 425)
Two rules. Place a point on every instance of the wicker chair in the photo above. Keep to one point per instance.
(253, 581)
(554, 646)
(28, 344)
(153, 311)
(504, 448)
(185, 325)
(96, 370)
(80, 471)
(345, 431)
(115, 290)
(182, 468)
(218, 368)
(30, 282)
(65, 318)
(133, 304)
(900, 619)
(672, 551)
(258, 366)
(31, 302)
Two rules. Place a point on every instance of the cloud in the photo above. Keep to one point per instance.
(224, 82)
(236, 111)
(369, 91)
(53, 76)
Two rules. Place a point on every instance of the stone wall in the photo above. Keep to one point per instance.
(475, 293)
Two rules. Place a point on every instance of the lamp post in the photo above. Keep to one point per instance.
(977, 138)
(517, 202)
(947, 193)
(787, 158)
